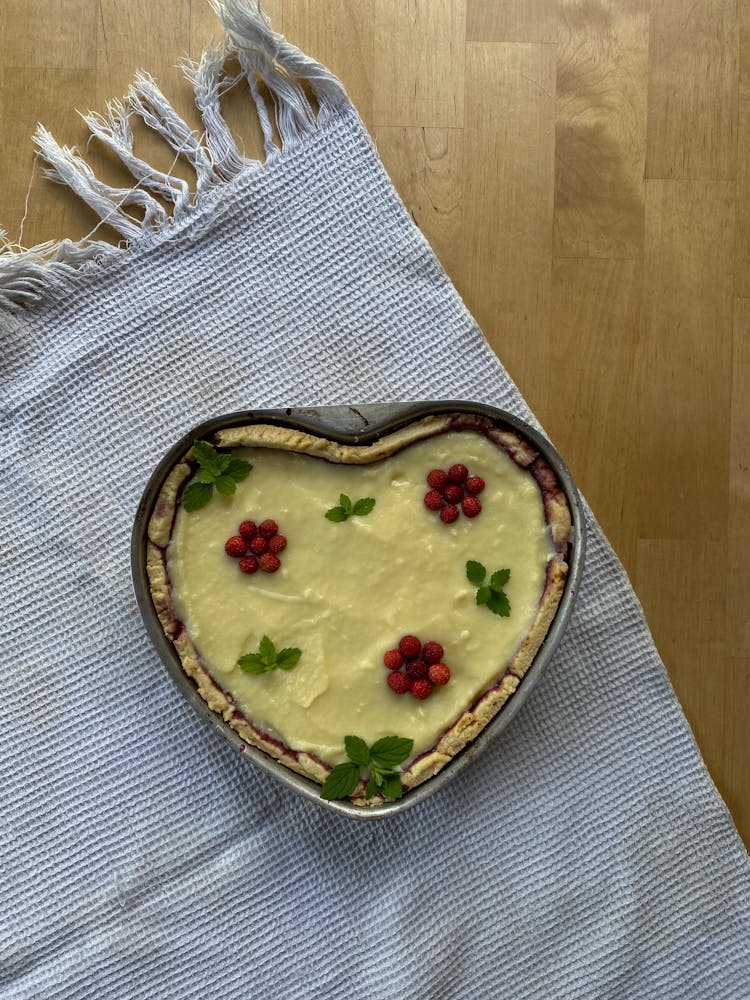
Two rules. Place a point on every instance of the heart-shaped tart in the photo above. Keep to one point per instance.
(349, 608)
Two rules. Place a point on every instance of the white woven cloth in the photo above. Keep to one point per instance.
(585, 854)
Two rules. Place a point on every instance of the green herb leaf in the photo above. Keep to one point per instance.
(238, 469)
(392, 786)
(341, 781)
(499, 604)
(389, 751)
(356, 750)
(196, 496)
(475, 572)
(364, 506)
(251, 663)
(336, 514)
(204, 454)
(225, 485)
(288, 658)
(267, 650)
(381, 758)
(491, 594)
(499, 579)
(222, 462)
(346, 509)
(216, 468)
(268, 659)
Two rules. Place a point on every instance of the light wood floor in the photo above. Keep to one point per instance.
(582, 169)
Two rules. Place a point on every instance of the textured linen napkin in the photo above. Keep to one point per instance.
(585, 854)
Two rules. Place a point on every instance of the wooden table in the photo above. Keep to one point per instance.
(583, 172)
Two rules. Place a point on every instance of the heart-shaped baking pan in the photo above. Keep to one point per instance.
(196, 599)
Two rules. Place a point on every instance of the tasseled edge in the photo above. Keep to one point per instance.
(264, 56)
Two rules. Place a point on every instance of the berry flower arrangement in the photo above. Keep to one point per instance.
(453, 493)
(257, 546)
(423, 667)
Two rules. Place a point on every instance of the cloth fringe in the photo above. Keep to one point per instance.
(264, 57)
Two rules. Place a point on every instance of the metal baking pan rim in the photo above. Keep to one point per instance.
(358, 424)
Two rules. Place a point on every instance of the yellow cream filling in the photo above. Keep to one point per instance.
(346, 592)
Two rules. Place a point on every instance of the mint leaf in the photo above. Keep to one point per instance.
(267, 651)
(268, 659)
(381, 758)
(288, 658)
(336, 514)
(499, 603)
(196, 496)
(356, 750)
(203, 453)
(341, 781)
(345, 508)
(215, 468)
(237, 469)
(389, 751)
(491, 594)
(251, 663)
(363, 506)
(392, 786)
(225, 485)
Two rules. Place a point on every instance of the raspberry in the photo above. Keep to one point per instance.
(458, 473)
(259, 545)
(410, 647)
(268, 528)
(471, 506)
(433, 500)
(453, 494)
(393, 659)
(249, 564)
(277, 544)
(269, 563)
(437, 479)
(439, 673)
(474, 485)
(416, 668)
(399, 683)
(420, 688)
(432, 652)
(449, 514)
(236, 546)
(248, 530)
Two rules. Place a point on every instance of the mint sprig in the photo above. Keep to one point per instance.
(267, 658)
(346, 508)
(491, 594)
(216, 469)
(380, 759)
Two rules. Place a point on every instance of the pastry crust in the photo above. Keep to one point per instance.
(474, 719)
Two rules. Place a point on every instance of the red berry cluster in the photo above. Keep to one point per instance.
(452, 492)
(423, 667)
(257, 546)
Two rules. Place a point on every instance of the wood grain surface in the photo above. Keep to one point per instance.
(582, 170)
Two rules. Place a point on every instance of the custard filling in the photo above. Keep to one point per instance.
(346, 592)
